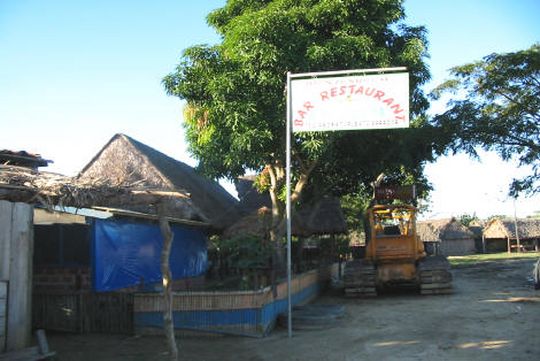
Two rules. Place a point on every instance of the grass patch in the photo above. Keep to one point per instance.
(490, 257)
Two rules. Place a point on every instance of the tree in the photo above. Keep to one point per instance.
(467, 219)
(235, 94)
(496, 105)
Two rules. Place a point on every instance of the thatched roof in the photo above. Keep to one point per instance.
(442, 230)
(126, 160)
(21, 184)
(506, 228)
(251, 200)
(323, 217)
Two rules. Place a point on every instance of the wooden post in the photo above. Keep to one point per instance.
(508, 244)
(5, 253)
(483, 243)
(168, 324)
(16, 256)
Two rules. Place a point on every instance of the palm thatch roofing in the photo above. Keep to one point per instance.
(440, 230)
(125, 160)
(323, 216)
(22, 184)
(477, 227)
(506, 228)
(251, 200)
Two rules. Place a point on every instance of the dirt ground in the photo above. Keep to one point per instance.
(494, 314)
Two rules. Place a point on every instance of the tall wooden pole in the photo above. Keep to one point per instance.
(168, 324)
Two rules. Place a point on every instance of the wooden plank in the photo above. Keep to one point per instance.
(19, 320)
(5, 238)
(5, 253)
(3, 289)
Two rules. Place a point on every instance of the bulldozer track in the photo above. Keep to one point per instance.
(435, 276)
(360, 279)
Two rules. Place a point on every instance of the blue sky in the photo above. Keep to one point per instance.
(74, 73)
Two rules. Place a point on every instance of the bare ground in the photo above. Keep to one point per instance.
(494, 314)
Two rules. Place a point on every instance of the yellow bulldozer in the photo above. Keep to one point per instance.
(394, 254)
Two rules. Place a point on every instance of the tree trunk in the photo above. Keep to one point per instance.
(277, 230)
(168, 325)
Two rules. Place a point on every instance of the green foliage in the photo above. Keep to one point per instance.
(236, 101)
(246, 252)
(467, 219)
(354, 206)
(496, 105)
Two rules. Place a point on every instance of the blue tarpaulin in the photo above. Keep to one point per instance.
(127, 253)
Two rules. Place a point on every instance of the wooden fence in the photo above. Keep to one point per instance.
(83, 312)
(243, 313)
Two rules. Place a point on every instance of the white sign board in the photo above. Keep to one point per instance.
(350, 102)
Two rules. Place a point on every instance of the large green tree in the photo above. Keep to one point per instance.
(235, 94)
(495, 104)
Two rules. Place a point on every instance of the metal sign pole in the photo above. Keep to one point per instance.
(393, 107)
(288, 205)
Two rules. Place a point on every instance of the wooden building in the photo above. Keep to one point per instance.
(128, 178)
(500, 235)
(448, 235)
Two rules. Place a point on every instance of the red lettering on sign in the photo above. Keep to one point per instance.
(378, 95)
(333, 92)
(369, 92)
(360, 90)
(324, 95)
(308, 106)
(396, 108)
(298, 122)
(388, 101)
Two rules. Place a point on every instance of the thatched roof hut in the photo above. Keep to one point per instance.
(251, 200)
(124, 160)
(506, 228)
(323, 216)
(500, 233)
(454, 238)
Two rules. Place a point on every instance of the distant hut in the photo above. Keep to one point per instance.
(449, 236)
(500, 235)
(124, 160)
(477, 227)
